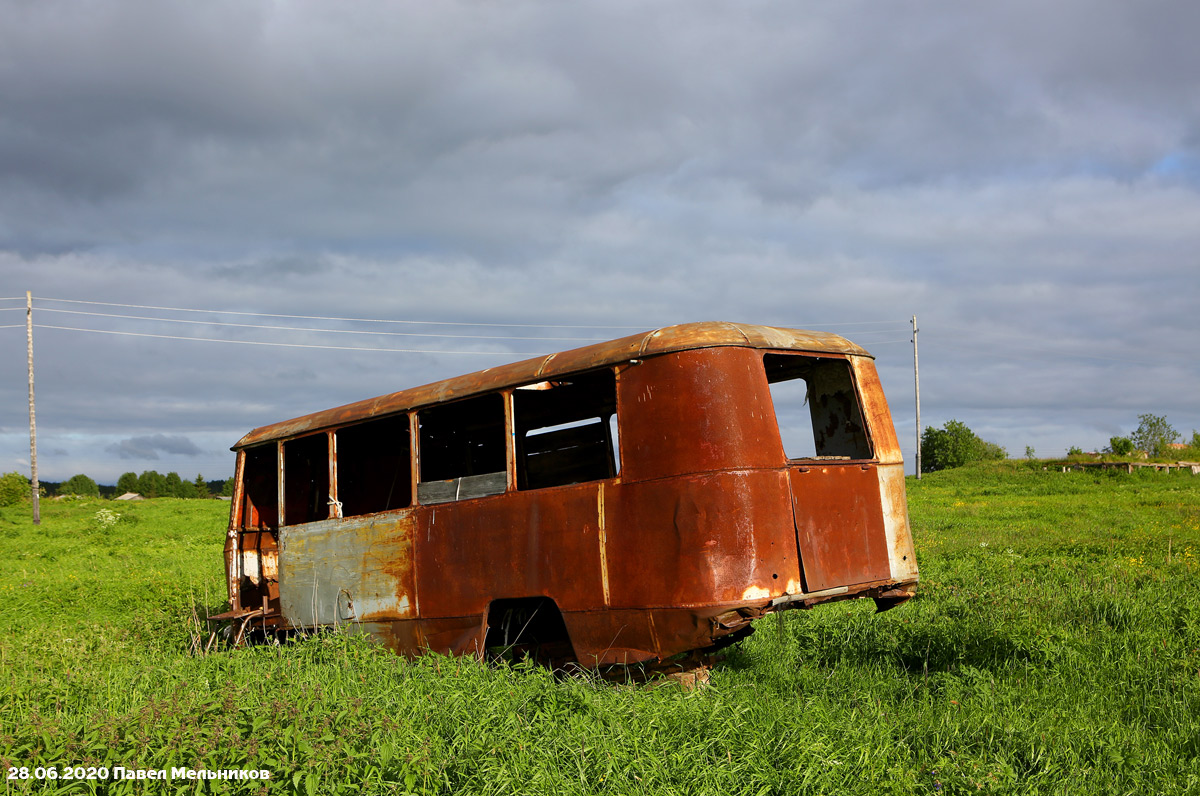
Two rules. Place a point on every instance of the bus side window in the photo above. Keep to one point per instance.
(462, 451)
(566, 430)
(374, 468)
(816, 407)
(260, 480)
(306, 479)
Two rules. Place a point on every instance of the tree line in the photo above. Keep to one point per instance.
(151, 484)
(954, 444)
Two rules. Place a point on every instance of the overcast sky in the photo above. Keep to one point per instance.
(1024, 177)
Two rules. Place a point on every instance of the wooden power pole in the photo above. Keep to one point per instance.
(37, 510)
(917, 387)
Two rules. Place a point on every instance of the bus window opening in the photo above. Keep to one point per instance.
(566, 431)
(306, 479)
(374, 469)
(816, 407)
(261, 488)
(462, 450)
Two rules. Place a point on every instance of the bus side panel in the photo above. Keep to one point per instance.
(543, 543)
(703, 539)
(602, 638)
(840, 525)
(336, 571)
(694, 411)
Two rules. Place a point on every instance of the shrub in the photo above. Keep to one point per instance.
(14, 488)
(954, 445)
(1121, 446)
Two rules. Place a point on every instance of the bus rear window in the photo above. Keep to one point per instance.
(816, 407)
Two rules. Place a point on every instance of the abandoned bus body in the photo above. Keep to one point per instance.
(618, 503)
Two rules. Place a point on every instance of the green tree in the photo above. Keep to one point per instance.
(128, 482)
(174, 485)
(14, 488)
(152, 484)
(201, 486)
(79, 485)
(1121, 446)
(1030, 453)
(954, 445)
(227, 488)
(1153, 435)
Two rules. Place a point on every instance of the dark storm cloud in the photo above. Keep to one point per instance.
(148, 447)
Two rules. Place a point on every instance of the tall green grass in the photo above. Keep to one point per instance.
(1054, 647)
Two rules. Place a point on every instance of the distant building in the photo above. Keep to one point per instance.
(130, 496)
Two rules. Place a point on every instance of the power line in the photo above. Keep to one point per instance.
(312, 329)
(898, 324)
(291, 345)
(856, 323)
(330, 318)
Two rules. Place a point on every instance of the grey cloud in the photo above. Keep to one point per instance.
(147, 447)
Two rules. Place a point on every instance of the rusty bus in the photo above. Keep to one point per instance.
(626, 502)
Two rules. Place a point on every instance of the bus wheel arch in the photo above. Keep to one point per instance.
(521, 627)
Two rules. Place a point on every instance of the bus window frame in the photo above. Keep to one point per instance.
(868, 435)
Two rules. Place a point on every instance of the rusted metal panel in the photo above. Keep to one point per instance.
(875, 410)
(350, 570)
(720, 537)
(646, 344)
(696, 411)
(839, 524)
(902, 557)
(521, 544)
(618, 636)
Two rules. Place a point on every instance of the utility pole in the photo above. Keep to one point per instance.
(33, 416)
(917, 387)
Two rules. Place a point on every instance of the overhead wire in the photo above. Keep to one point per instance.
(335, 318)
(890, 326)
(400, 320)
(312, 329)
(290, 345)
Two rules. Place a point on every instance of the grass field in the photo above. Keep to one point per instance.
(1054, 647)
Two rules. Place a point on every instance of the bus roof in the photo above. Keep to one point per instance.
(644, 344)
